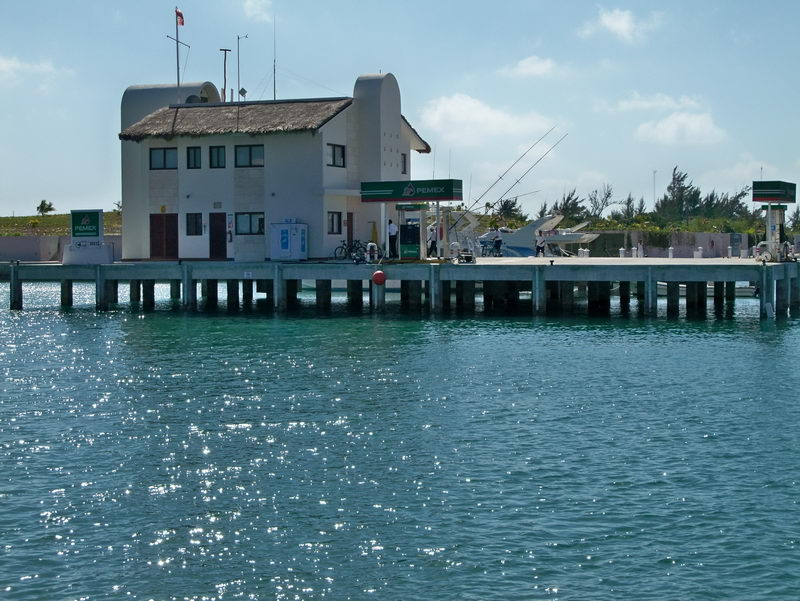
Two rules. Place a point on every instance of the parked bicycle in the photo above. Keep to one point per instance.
(351, 250)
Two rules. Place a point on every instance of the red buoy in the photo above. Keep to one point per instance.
(379, 278)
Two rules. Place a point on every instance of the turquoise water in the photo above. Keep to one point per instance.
(195, 456)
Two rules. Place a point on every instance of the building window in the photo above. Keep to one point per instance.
(334, 222)
(163, 158)
(335, 155)
(216, 157)
(249, 223)
(250, 156)
(403, 163)
(194, 224)
(193, 157)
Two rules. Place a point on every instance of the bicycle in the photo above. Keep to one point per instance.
(349, 251)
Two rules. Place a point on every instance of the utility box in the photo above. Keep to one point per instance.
(409, 241)
(288, 241)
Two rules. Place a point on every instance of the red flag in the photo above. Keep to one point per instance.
(179, 16)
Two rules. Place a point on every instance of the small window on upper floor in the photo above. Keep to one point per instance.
(335, 155)
(193, 157)
(216, 157)
(403, 163)
(163, 158)
(250, 156)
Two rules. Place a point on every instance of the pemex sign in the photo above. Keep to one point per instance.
(87, 224)
(774, 192)
(415, 190)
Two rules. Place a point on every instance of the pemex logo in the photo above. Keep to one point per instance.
(85, 220)
(408, 190)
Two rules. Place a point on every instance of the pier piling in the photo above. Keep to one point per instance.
(135, 291)
(148, 295)
(323, 294)
(15, 296)
(66, 293)
(232, 291)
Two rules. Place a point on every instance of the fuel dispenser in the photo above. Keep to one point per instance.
(774, 196)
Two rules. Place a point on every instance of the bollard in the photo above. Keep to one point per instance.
(621, 253)
(730, 252)
(634, 252)
(671, 252)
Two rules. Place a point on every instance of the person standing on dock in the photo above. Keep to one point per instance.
(539, 243)
(432, 240)
(392, 230)
(497, 236)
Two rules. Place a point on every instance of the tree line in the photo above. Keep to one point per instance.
(683, 206)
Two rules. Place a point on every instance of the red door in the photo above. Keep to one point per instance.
(217, 242)
(350, 228)
(164, 236)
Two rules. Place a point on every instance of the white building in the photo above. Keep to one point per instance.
(204, 179)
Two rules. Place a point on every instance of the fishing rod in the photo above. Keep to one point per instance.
(547, 133)
(539, 160)
(512, 198)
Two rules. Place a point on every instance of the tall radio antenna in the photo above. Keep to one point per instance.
(274, 57)
(238, 79)
(224, 71)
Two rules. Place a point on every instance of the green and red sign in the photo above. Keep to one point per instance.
(425, 190)
(87, 224)
(780, 192)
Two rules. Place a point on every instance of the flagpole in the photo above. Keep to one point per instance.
(177, 52)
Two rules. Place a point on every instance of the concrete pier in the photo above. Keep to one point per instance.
(502, 283)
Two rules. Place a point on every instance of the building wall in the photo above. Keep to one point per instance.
(138, 102)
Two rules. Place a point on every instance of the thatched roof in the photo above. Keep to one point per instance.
(254, 118)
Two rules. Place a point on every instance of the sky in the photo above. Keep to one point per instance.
(637, 87)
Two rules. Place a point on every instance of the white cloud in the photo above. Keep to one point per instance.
(461, 119)
(682, 128)
(533, 66)
(654, 102)
(622, 24)
(258, 10)
(657, 101)
(11, 66)
(14, 70)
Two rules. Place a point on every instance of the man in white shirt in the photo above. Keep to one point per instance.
(497, 236)
(540, 244)
(392, 230)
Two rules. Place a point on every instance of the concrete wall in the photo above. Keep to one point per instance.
(715, 245)
(44, 248)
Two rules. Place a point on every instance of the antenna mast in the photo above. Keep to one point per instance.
(274, 56)
(224, 71)
(238, 79)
